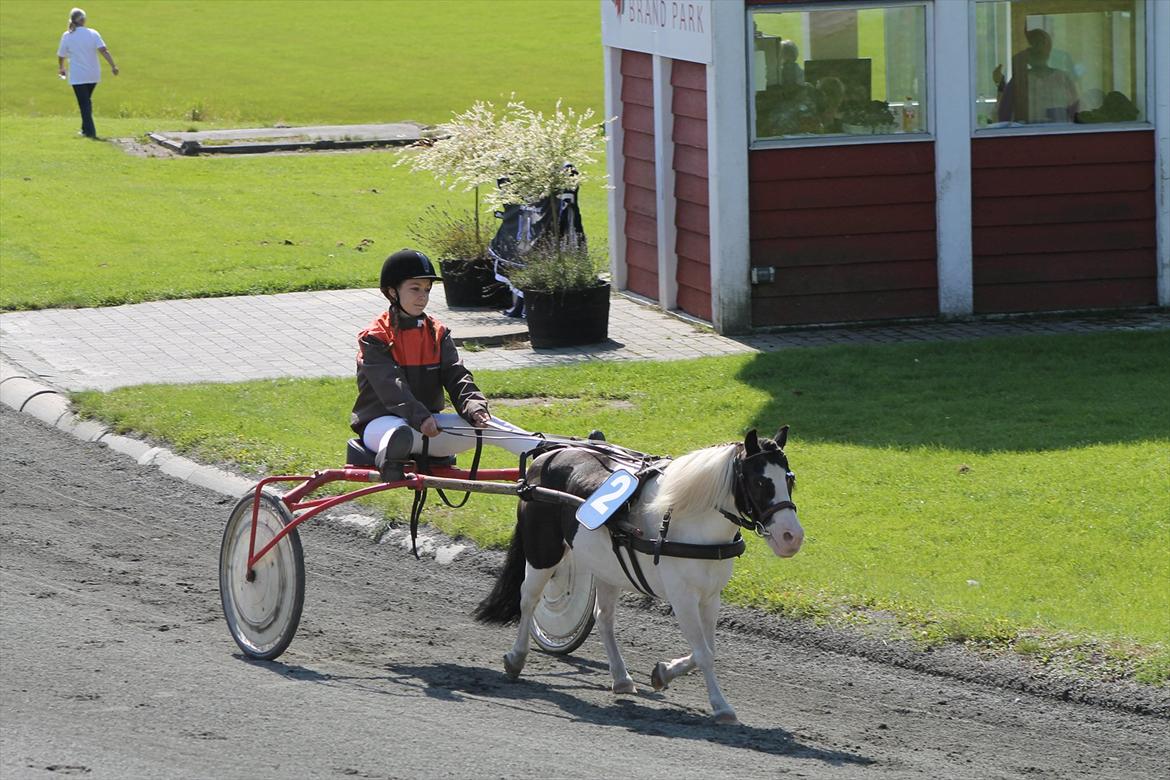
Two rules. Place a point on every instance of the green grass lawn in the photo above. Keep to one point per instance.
(243, 61)
(976, 490)
(84, 224)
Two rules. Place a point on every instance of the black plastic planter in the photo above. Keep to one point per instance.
(567, 318)
(474, 288)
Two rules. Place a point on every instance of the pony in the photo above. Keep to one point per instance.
(675, 539)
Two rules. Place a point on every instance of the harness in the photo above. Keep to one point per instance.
(420, 496)
(748, 513)
(633, 539)
(627, 536)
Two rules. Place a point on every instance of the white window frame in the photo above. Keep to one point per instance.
(1065, 128)
(843, 140)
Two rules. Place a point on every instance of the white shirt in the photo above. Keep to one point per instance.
(81, 47)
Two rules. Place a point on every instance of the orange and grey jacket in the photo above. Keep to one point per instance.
(404, 366)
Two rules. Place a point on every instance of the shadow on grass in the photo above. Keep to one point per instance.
(1015, 394)
(647, 713)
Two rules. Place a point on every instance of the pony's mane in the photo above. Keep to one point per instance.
(697, 482)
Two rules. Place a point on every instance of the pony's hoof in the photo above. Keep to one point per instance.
(726, 719)
(658, 677)
(512, 669)
(625, 686)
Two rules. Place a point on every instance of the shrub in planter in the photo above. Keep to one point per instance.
(566, 302)
(529, 156)
(455, 240)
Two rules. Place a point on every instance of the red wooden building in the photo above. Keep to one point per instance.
(786, 162)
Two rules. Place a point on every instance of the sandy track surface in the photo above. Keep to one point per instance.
(115, 662)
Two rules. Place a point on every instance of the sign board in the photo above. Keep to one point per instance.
(610, 495)
(679, 29)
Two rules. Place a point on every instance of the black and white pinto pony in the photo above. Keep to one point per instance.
(694, 506)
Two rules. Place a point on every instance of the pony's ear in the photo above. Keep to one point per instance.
(751, 443)
(781, 436)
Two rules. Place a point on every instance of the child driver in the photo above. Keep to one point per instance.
(406, 359)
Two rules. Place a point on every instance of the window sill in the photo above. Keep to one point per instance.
(838, 140)
(1061, 129)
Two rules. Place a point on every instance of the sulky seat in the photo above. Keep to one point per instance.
(358, 454)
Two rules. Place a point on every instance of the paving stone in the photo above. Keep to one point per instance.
(313, 334)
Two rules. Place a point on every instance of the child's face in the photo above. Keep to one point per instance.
(413, 296)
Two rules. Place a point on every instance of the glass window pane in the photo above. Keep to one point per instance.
(1059, 62)
(838, 72)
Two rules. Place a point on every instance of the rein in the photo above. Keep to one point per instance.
(420, 497)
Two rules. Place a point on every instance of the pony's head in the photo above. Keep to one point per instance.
(754, 476)
(763, 492)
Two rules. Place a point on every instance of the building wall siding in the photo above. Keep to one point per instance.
(638, 174)
(1063, 222)
(688, 82)
(850, 231)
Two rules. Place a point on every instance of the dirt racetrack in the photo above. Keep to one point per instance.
(115, 663)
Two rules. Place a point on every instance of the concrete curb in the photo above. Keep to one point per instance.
(51, 406)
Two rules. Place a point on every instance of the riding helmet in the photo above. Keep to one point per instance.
(406, 264)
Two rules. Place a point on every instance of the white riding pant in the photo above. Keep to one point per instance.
(378, 431)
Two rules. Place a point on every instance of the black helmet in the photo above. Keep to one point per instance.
(406, 264)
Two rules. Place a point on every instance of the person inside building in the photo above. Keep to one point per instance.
(791, 74)
(1037, 92)
(830, 96)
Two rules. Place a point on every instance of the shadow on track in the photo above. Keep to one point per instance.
(454, 683)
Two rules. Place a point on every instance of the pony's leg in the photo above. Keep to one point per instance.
(666, 671)
(688, 612)
(606, 604)
(534, 582)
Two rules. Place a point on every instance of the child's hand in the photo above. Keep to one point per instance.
(481, 419)
(429, 428)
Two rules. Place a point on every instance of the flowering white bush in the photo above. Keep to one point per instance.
(526, 149)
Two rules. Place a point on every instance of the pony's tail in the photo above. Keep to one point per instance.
(502, 605)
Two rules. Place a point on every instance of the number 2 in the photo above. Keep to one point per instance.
(620, 482)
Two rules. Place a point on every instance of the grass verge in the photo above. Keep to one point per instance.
(980, 492)
(85, 224)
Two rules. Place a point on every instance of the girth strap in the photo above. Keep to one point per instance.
(627, 541)
(623, 535)
(706, 552)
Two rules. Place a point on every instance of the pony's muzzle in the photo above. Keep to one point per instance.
(785, 539)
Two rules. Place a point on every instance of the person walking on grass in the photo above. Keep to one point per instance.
(80, 45)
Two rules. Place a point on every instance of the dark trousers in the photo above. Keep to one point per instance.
(84, 94)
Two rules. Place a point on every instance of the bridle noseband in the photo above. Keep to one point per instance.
(748, 514)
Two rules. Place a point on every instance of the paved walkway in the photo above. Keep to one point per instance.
(313, 335)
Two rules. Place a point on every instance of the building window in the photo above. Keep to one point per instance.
(838, 72)
(1059, 62)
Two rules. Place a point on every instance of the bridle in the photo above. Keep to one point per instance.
(748, 513)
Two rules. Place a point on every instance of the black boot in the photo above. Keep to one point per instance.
(517, 309)
(596, 435)
(390, 458)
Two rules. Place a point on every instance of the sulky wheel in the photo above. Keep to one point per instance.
(263, 611)
(564, 616)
